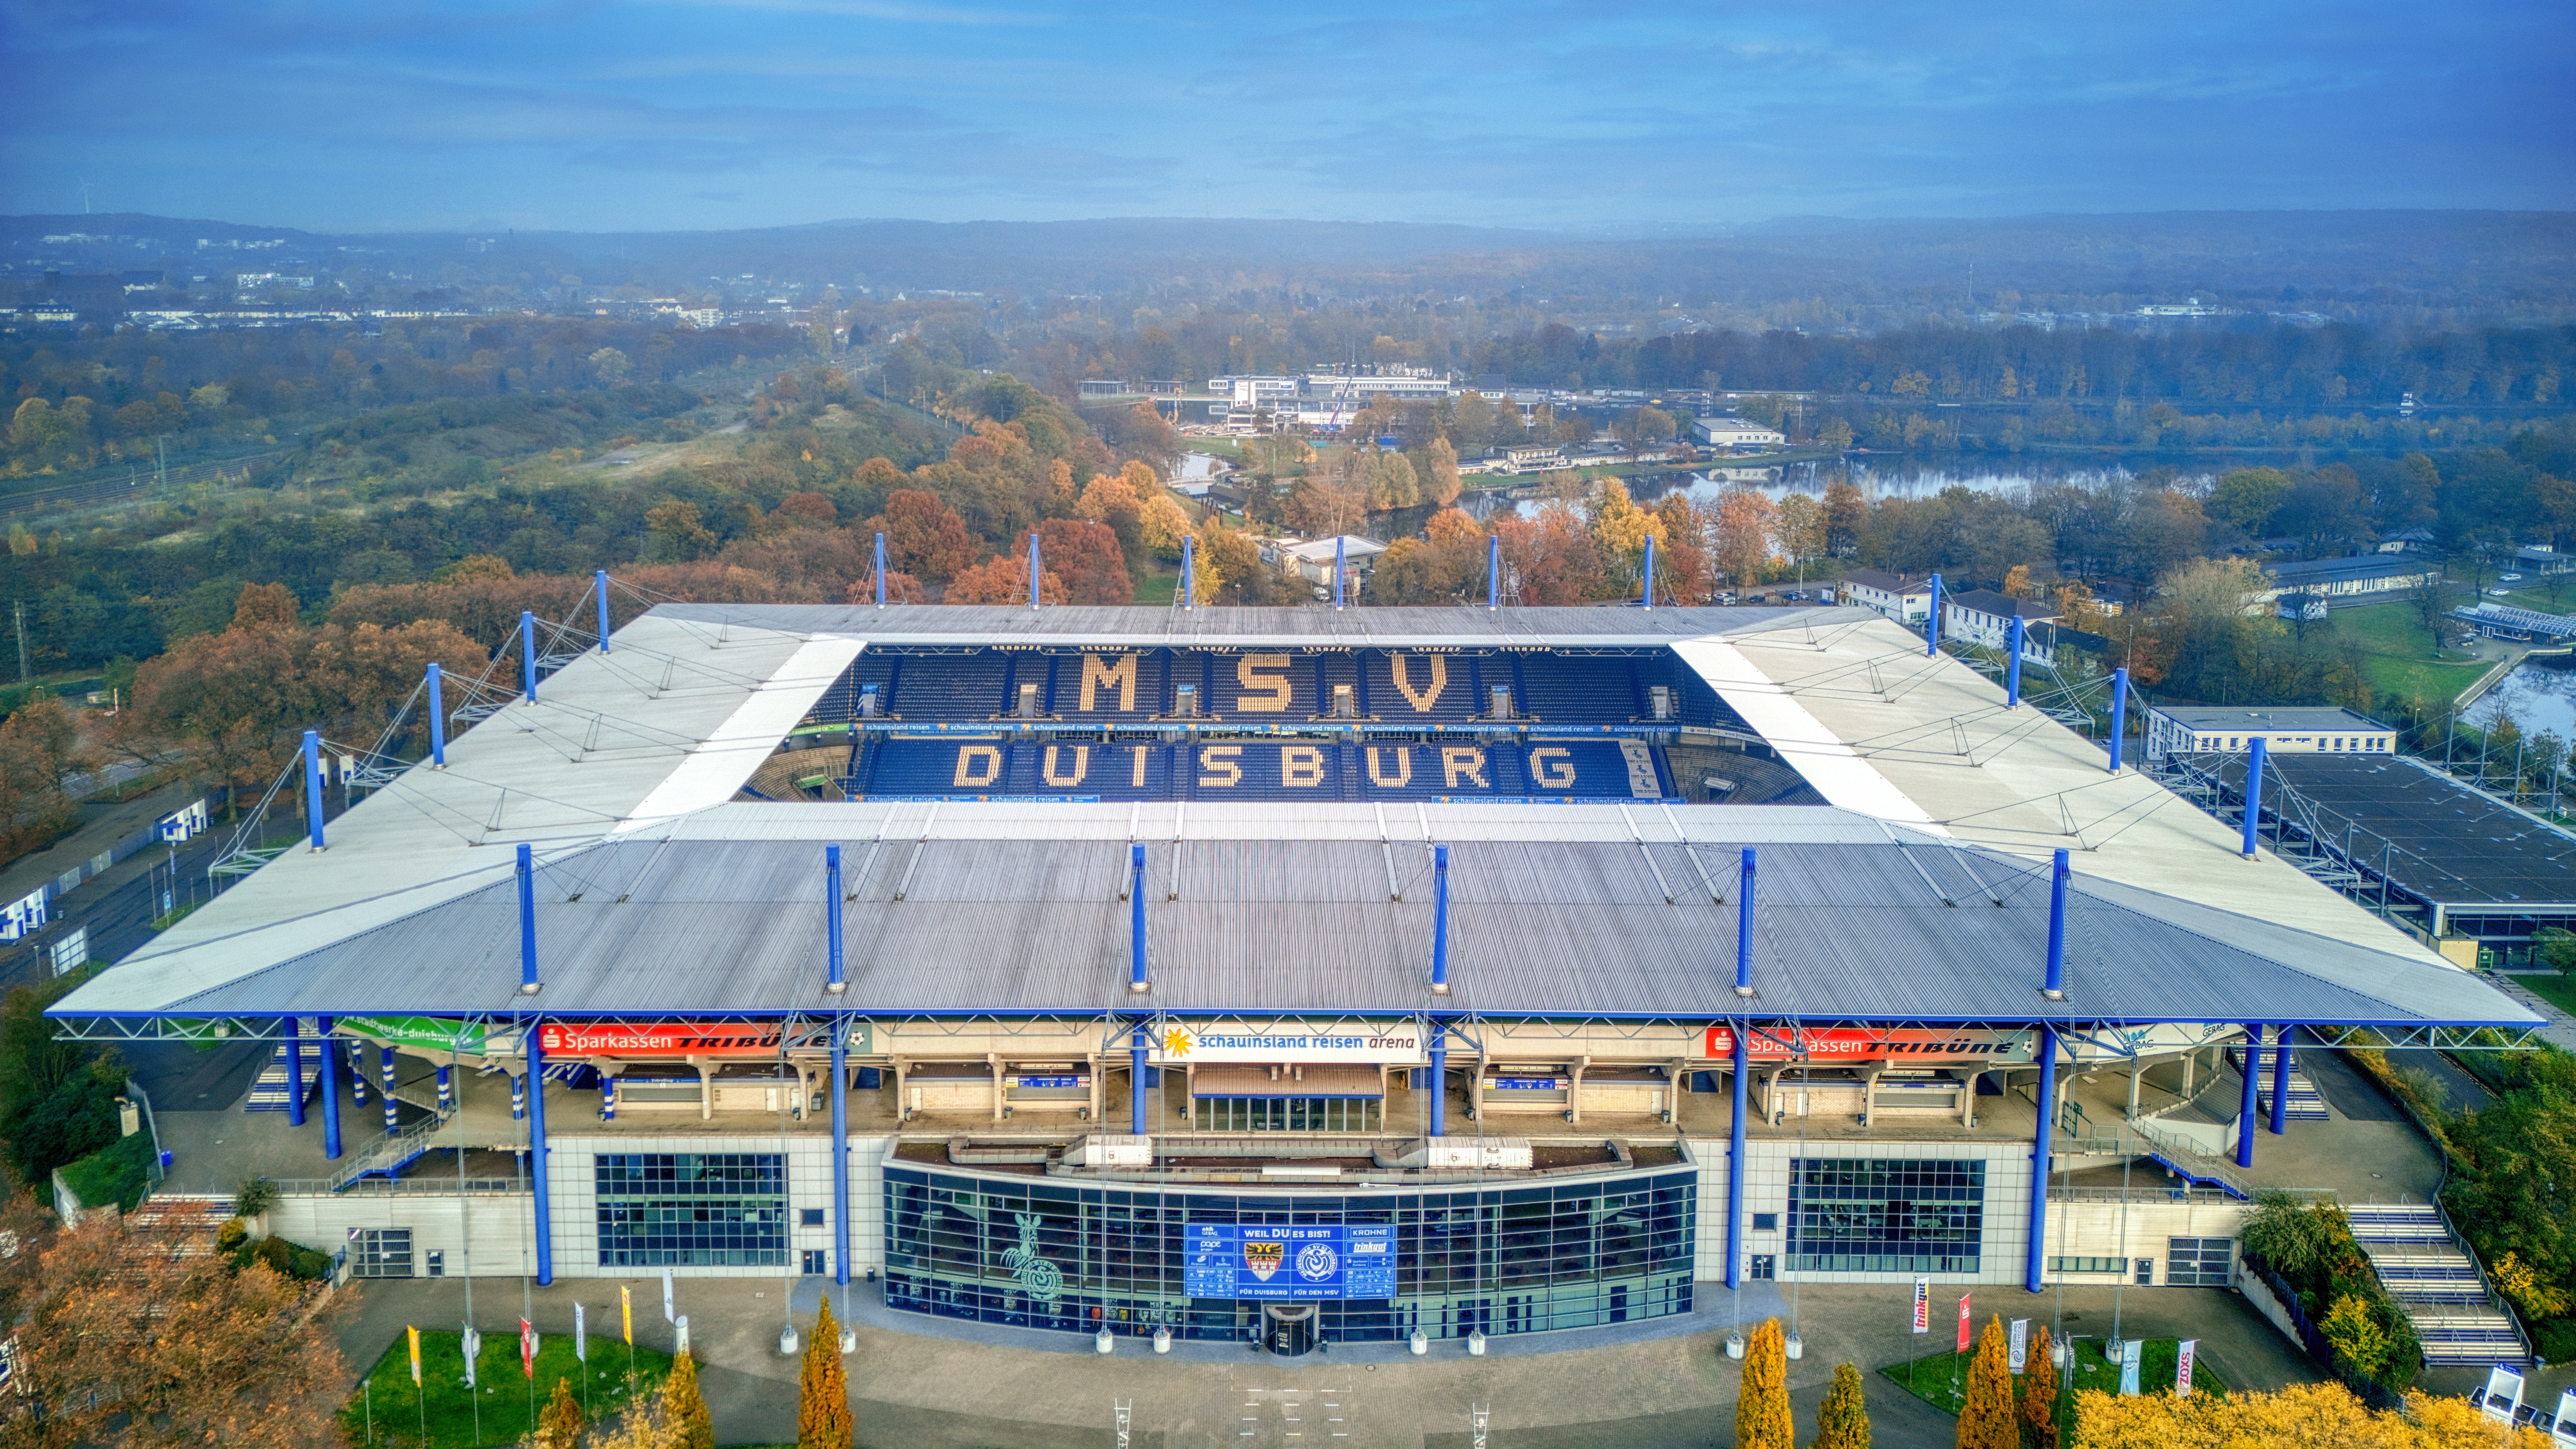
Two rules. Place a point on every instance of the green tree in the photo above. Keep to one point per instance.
(2556, 948)
(1842, 1420)
(685, 1408)
(823, 1392)
(1987, 1418)
(2248, 497)
(1762, 1404)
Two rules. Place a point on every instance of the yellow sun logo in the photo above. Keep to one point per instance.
(1177, 1042)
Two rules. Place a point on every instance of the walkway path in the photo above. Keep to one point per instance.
(2561, 1030)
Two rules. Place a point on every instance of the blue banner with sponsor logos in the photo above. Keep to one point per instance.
(1283, 1261)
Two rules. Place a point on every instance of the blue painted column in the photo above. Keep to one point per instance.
(527, 922)
(880, 570)
(841, 1150)
(313, 786)
(1735, 1160)
(1034, 571)
(437, 721)
(330, 1095)
(1494, 571)
(603, 610)
(1932, 622)
(1189, 570)
(537, 1152)
(2012, 668)
(393, 1122)
(358, 1072)
(518, 1099)
(2055, 989)
(446, 1090)
(1337, 570)
(1650, 571)
(2035, 1261)
(1137, 1073)
(528, 653)
(2281, 1038)
(1440, 920)
(1437, 1123)
(833, 980)
(2119, 714)
(1136, 979)
(294, 1072)
(2245, 1108)
(2253, 839)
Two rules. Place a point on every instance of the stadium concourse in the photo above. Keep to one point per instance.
(1270, 975)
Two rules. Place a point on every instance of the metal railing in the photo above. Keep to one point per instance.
(387, 1153)
(434, 1186)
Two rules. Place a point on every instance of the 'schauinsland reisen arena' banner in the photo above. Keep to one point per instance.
(1178, 1043)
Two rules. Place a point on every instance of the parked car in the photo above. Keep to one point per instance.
(2507, 578)
(2499, 593)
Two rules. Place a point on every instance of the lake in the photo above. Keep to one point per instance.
(2540, 694)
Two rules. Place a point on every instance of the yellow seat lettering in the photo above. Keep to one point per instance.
(1099, 671)
(1378, 772)
(1136, 774)
(1221, 766)
(978, 765)
(1301, 765)
(1552, 768)
(1265, 692)
(1422, 700)
(1463, 760)
(1081, 764)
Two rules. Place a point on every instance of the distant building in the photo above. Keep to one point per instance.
(1314, 559)
(2369, 573)
(1905, 600)
(1530, 460)
(2540, 558)
(1735, 433)
(1984, 617)
(2319, 730)
(2408, 540)
(1102, 387)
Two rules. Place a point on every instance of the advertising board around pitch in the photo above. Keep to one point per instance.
(1277, 1261)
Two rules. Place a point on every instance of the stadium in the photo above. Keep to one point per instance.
(1279, 975)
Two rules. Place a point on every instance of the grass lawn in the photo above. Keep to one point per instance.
(2549, 986)
(399, 1416)
(2398, 654)
(1930, 1377)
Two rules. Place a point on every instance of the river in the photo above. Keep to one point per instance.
(1891, 476)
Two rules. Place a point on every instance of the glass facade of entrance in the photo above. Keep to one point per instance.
(1040, 1254)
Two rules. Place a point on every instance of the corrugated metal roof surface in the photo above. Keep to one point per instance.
(1308, 628)
(1557, 928)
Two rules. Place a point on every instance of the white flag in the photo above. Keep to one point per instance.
(473, 1351)
(580, 1334)
(2182, 1367)
(2020, 1344)
(682, 1324)
(666, 1297)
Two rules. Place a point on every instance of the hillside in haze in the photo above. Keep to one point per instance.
(2518, 266)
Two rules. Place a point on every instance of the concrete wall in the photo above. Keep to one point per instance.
(491, 1234)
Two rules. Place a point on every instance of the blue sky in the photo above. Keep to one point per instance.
(686, 114)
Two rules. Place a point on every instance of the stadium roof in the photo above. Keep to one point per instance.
(2454, 845)
(620, 775)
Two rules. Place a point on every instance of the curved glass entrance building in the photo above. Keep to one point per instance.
(1449, 1260)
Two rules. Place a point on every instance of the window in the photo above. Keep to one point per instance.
(2088, 1265)
(1504, 1256)
(2199, 1262)
(692, 1210)
(1766, 1222)
(380, 1252)
(816, 1262)
(1852, 1215)
(1285, 1114)
(809, 1217)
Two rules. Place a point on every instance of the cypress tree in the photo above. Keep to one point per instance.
(559, 1427)
(1986, 1419)
(685, 1408)
(1842, 1422)
(1762, 1405)
(2039, 1395)
(823, 1403)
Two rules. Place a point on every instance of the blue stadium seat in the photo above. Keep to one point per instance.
(951, 687)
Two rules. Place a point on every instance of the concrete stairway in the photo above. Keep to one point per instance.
(2456, 1315)
(2303, 1103)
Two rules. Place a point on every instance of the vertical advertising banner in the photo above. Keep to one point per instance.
(2132, 1354)
(1922, 1305)
(2182, 1367)
(1963, 1323)
(2020, 1344)
(580, 1333)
